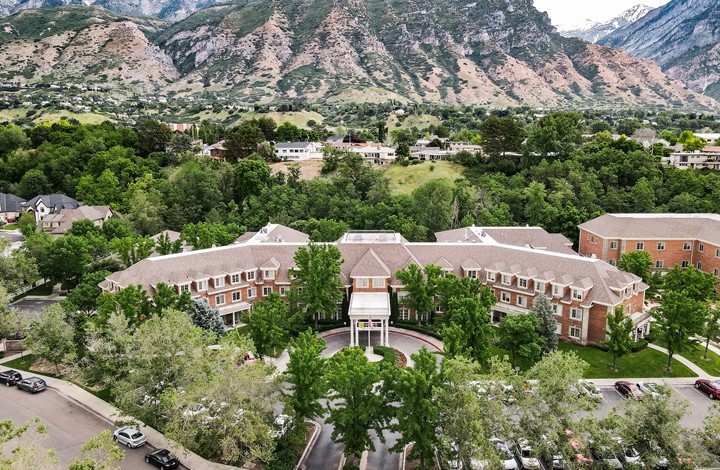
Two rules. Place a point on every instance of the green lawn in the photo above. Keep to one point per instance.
(644, 364)
(695, 355)
(23, 363)
(404, 179)
(11, 226)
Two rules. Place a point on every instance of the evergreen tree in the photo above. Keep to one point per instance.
(548, 324)
(206, 317)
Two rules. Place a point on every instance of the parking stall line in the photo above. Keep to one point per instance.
(677, 390)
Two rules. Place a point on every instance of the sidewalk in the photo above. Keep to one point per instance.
(697, 370)
(111, 414)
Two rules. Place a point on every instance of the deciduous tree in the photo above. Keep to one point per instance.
(678, 320)
(52, 337)
(316, 278)
(617, 334)
(519, 335)
(132, 249)
(269, 324)
(99, 453)
(637, 262)
(305, 373)
(421, 286)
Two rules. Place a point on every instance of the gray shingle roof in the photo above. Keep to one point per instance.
(55, 201)
(10, 203)
(705, 227)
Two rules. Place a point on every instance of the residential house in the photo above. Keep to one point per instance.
(217, 151)
(378, 155)
(60, 222)
(10, 206)
(517, 264)
(671, 239)
(464, 146)
(708, 158)
(48, 204)
(298, 151)
(431, 154)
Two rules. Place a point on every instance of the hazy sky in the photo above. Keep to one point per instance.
(572, 12)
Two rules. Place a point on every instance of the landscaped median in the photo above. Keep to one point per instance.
(696, 354)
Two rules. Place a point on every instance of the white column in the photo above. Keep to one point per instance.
(352, 332)
(387, 332)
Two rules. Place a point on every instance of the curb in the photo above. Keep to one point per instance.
(310, 444)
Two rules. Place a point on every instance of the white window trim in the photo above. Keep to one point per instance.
(557, 307)
(233, 276)
(219, 281)
(538, 285)
(268, 274)
(574, 310)
(687, 246)
(222, 299)
(267, 290)
(252, 293)
(362, 282)
(659, 264)
(639, 246)
(378, 282)
(663, 246)
(521, 301)
(238, 294)
(472, 273)
(490, 276)
(521, 281)
(505, 299)
(613, 245)
(570, 332)
(184, 288)
(250, 275)
(202, 285)
(577, 294)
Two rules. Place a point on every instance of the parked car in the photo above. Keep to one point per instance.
(588, 388)
(526, 455)
(556, 461)
(606, 457)
(628, 390)
(506, 456)
(628, 454)
(130, 437)
(32, 384)
(649, 388)
(162, 458)
(712, 388)
(10, 377)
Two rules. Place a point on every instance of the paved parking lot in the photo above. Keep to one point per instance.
(69, 425)
(698, 403)
(34, 305)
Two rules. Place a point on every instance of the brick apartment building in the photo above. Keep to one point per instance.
(671, 239)
(517, 263)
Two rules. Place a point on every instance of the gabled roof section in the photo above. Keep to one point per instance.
(705, 227)
(443, 263)
(272, 263)
(370, 265)
(10, 203)
(470, 264)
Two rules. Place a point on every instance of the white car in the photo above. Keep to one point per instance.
(649, 388)
(506, 456)
(590, 389)
(130, 437)
(282, 424)
(628, 454)
(526, 455)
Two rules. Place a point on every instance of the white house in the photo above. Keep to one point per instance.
(378, 155)
(431, 153)
(296, 151)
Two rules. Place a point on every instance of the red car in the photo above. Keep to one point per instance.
(711, 388)
(628, 390)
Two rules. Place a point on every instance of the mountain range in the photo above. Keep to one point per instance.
(593, 31)
(490, 52)
(683, 37)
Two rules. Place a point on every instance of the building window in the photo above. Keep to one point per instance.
(219, 282)
(284, 290)
(699, 266)
(612, 262)
(522, 301)
(472, 274)
(269, 274)
(574, 332)
(184, 288)
(627, 309)
(235, 279)
(685, 263)
(716, 272)
(558, 329)
(577, 294)
(202, 285)
(661, 246)
(378, 283)
(539, 286)
(575, 314)
(659, 264)
(403, 314)
(701, 248)
(362, 282)
(613, 245)
(505, 297)
(219, 300)
(557, 309)
(267, 290)
(717, 253)
(640, 246)
(490, 277)
(250, 275)
(522, 283)
(236, 296)
(252, 293)
(592, 239)
(687, 246)
(556, 290)
(506, 279)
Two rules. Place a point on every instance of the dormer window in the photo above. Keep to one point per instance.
(250, 275)
(378, 283)
(362, 282)
(235, 278)
(184, 288)
(490, 276)
(472, 274)
(202, 285)
(577, 294)
(268, 274)
(557, 290)
(506, 279)
(219, 281)
(539, 286)
(522, 282)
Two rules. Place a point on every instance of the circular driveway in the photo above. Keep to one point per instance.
(407, 341)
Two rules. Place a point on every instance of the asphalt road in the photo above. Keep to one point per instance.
(69, 425)
(33, 305)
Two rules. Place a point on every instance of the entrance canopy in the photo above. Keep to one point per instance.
(369, 311)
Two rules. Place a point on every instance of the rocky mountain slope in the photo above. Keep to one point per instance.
(83, 45)
(171, 10)
(490, 52)
(683, 37)
(594, 31)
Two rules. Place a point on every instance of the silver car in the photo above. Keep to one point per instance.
(130, 437)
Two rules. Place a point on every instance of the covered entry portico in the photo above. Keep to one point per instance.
(369, 311)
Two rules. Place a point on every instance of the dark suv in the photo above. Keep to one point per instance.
(32, 384)
(10, 377)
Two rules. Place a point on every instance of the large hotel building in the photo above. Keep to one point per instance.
(517, 263)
